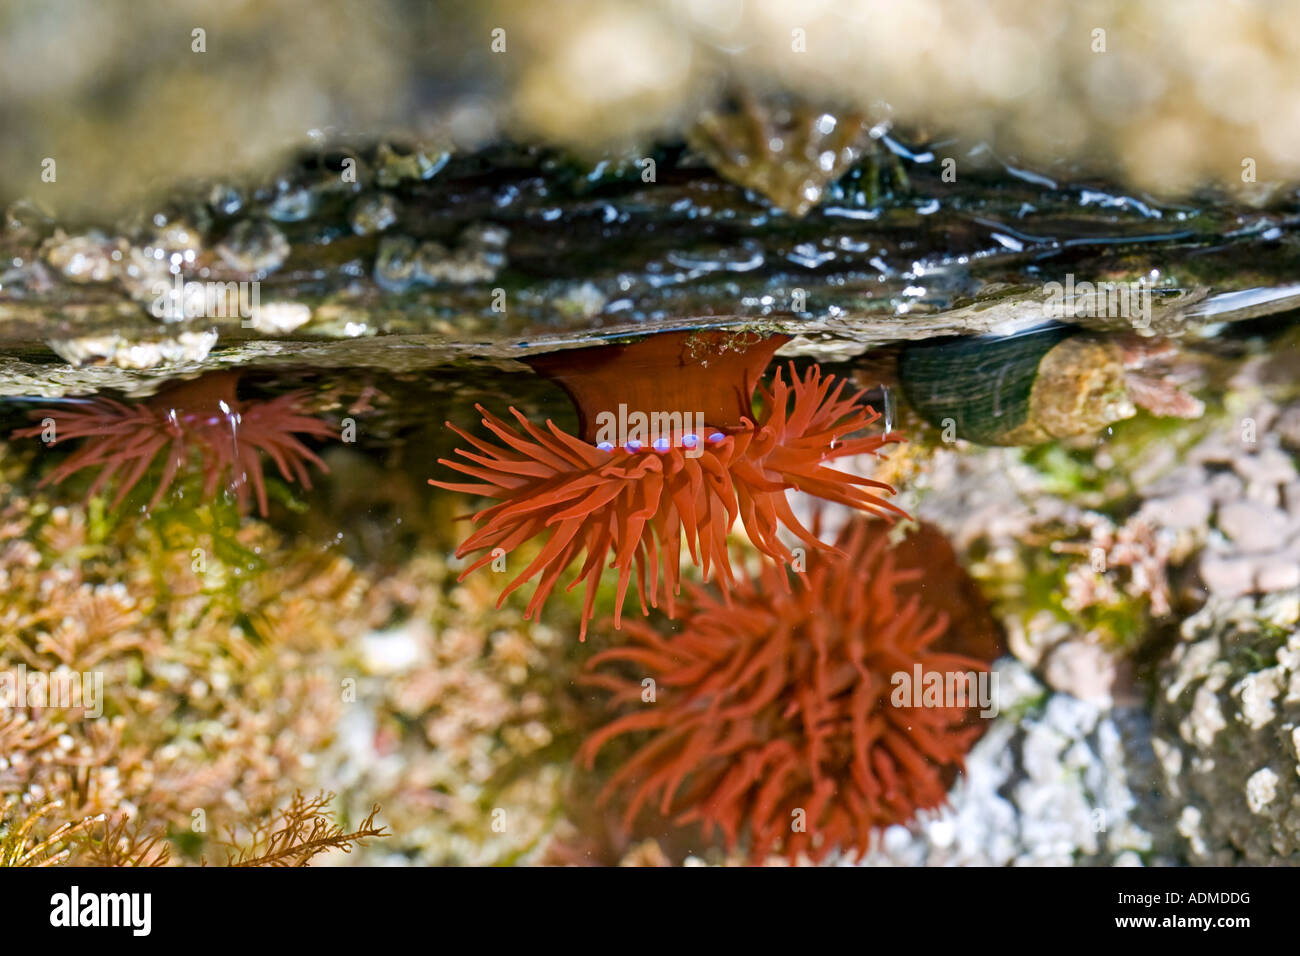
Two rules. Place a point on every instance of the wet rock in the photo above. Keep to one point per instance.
(254, 247)
(292, 205)
(1033, 640)
(1184, 510)
(146, 272)
(135, 352)
(396, 164)
(1084, 670)
(608, 253)
(1252, 526)
(279, 318)
(1056, 781)
(401, 262)
(1279, 571)
(789, 153)
(225, 199)
(395, 267)
(176, 237)
(1270, 466)
(1236, 501)
(374, 213)
(1229, 577)
(584, 301)
(1288, 429)
(27, 221)
(1225, 725)
(90, 257)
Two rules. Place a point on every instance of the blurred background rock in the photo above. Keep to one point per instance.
(1166, 94)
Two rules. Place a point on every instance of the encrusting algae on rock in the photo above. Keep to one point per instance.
(202, 647)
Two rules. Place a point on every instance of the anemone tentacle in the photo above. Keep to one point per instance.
(641, 504)
(781, 702)
(201, 418)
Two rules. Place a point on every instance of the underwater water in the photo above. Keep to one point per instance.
(1054, 623)
(769, 496)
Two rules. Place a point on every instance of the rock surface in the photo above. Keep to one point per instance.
(1227, 725)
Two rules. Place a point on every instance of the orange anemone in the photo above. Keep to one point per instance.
(776, 715)
(636, 500)
(203, 417)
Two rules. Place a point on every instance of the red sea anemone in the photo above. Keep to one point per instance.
(633, 496)
(780, 713)
(203, 417)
